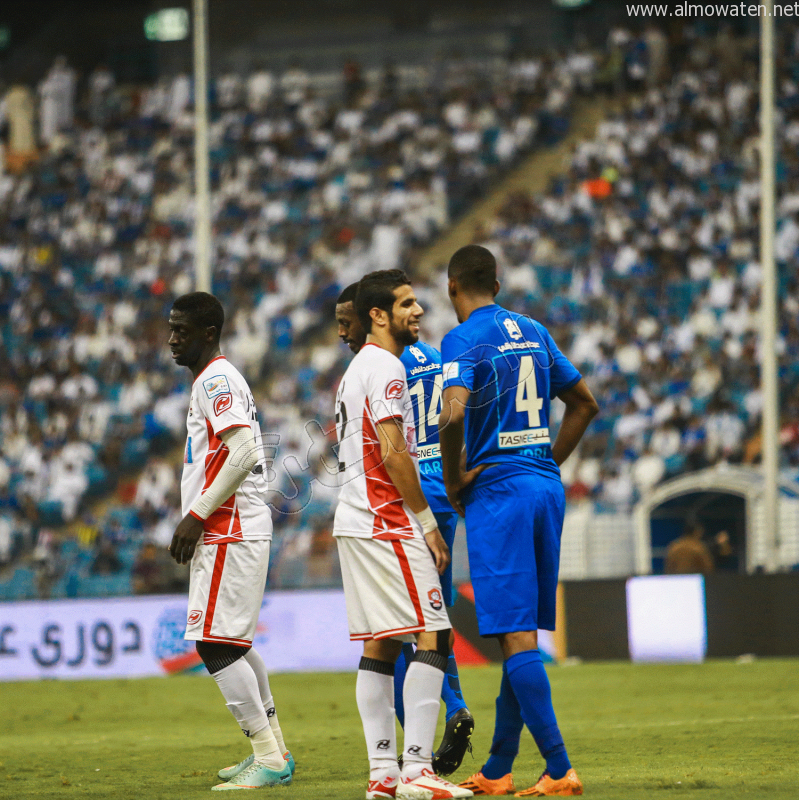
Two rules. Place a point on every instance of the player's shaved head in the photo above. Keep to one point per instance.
(202, 309)
(474, 268)
(348, 295)
(376, 290)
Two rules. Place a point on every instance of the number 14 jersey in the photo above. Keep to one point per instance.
(372, 390)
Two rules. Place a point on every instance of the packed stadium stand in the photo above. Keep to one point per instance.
(313, 188)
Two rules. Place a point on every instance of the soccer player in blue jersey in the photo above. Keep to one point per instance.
(423, 370)
(501, 370)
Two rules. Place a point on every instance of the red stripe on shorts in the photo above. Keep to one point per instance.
(409, 582)
(216, 579)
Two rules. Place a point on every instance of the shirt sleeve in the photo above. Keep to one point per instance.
(387, 389)
(562, 373)
(458, 361)
(224, 403)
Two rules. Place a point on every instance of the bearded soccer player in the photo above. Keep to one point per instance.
(423, 373)
(501, 371)
(390, 548)
(225, 536)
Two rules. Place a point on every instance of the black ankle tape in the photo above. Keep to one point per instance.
(375, 665)
(432, 658)
(217, 656)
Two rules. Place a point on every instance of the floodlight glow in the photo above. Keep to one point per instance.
(167, 25)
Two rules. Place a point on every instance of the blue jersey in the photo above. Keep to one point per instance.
(512, 368)
(423, 370)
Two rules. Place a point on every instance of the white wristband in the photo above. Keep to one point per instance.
(427, 519)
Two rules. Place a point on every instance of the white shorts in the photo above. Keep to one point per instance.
(391, 588)
(226, 589)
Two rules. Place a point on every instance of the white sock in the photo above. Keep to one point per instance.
(374, 693)
(259, 668)
(420, 695)
(239, 687)
(266, 750)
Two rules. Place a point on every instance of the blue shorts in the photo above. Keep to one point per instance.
(514, 522)
(447, 522)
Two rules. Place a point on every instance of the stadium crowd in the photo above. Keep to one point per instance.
(640, 259)
(309, 192)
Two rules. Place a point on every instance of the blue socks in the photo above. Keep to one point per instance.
(530, 684)
(451, 689)
(507, 730)
(400, 668)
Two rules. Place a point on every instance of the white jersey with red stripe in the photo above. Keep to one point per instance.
(372, 390)
(221, 400)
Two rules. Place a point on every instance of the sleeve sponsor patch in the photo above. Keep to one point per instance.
(394, 390)
(216, 386)
(222, 403)
(451, 370)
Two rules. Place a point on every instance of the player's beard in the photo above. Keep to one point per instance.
(403, 336)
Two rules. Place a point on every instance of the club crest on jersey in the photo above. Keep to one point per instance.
(222, 403)
(436, 600)
(394, 390)
(194, 617)
(216, 386)
(514, 331)
(417, 354)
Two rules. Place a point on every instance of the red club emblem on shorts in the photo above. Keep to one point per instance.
(436, 600)
(195, 617)
(223, 403)
(394, 390)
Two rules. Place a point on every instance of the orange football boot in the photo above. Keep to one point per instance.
(547, 786)
(479, 784)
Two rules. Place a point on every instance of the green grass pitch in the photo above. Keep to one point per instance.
(717, 730)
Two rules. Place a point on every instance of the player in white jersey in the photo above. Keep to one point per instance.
(390, 548)
(225, 535)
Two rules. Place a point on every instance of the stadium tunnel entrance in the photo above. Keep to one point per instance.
(722, 498)
(717, 512)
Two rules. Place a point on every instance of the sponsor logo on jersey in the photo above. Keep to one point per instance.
(394, 390)
(417, 354)
(514, 331)
(194, 617)
(436, 600)
(222, 403)
(451, 370)
(216, 386)
(523, 438)
(518, 346)
(428, 451)
(425, 368)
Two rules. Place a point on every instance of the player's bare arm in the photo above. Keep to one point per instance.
(450, 432)
(402, 471)
(241, 459)
(581, 408)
